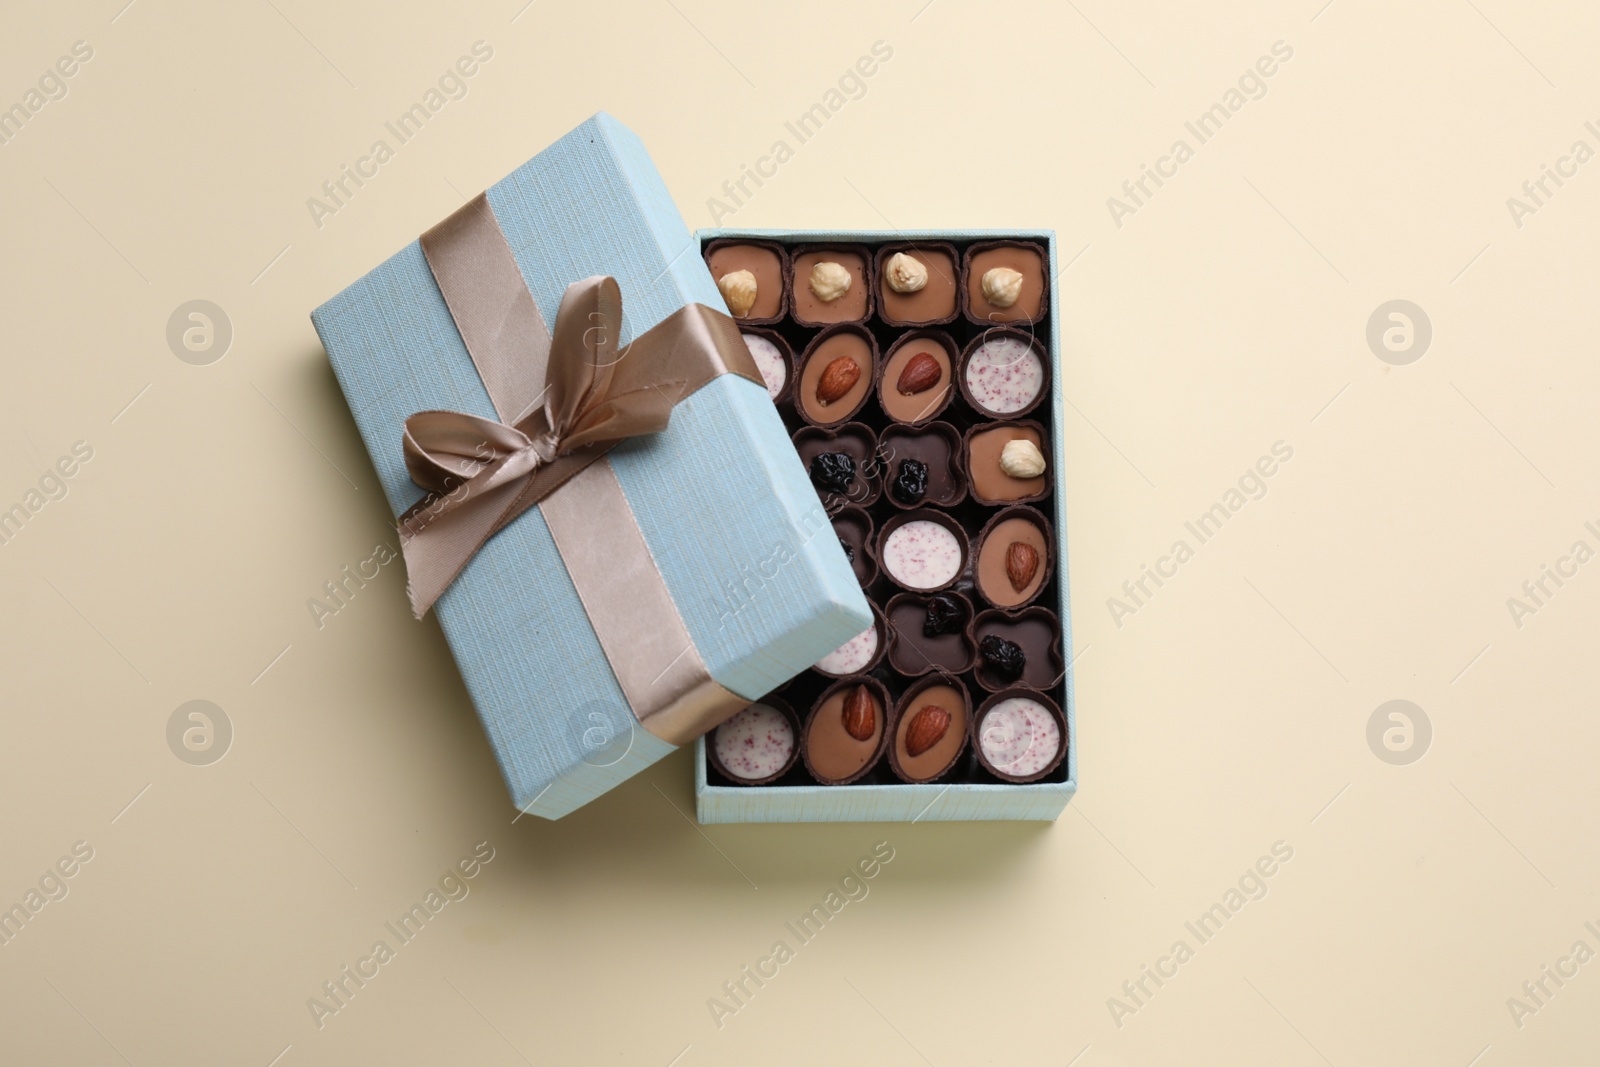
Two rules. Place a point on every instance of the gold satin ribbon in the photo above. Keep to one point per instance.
(563, 401)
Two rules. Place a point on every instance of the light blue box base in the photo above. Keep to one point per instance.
(1038, 801)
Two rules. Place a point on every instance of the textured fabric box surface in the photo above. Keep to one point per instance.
(721, 497)
(933, 802)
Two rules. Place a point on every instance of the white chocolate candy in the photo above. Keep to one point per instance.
(1019, 737)
(756, 743)
(922, 554)
(853, 655)
(769, 361)
(1005, 375)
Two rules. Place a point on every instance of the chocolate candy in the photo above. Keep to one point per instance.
(842, 354)
(771, 355)
(1021, 735)
(767, 263)
(936, 448)
(857, 655)
(757, 745)
(918, 376)
(990, 483)
(937, 298)
(833, 753)
(853, 527)
(1025, 259)
(930, 730)
(817, 297)
(929, 633)
(851, 439)
(1003, 374)
(926, 551)
(1011, 541)
(1033, 632)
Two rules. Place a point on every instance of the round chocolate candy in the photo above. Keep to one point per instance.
(1020, 735)
(922, 551)
(1004, 373)
(758, 745)
(859, 654)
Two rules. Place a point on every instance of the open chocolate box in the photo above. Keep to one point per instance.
(919, 376)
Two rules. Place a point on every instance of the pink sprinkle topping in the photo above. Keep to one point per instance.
(1005, 375)
(756, 743)
(853, 655)
(922, 554)
(1019, 736)
(769, 361)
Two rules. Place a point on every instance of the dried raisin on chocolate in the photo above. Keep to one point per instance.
(911, 484)
(944, 616)
(1003, 657)
(833, 471)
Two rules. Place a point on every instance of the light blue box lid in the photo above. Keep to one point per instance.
(721, 497)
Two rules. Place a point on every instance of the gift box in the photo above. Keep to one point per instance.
(949, 312)
(605, 600)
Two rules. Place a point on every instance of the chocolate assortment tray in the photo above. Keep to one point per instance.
(918, 377)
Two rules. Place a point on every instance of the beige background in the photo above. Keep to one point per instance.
(1229, 713)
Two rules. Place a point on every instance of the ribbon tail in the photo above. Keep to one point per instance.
(436, 552)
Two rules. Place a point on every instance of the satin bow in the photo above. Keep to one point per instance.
(482, 473)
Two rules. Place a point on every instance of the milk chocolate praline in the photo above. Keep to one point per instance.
(767, 260)
(785, 356)
(1028, 348)
(853, 526)
(779, 705)
(854, 439)
(1036, 631)
(880, 630)
(856, 303)
(1050, 707)
(990, 571)
(905, 578)
(831, 753)
(988, 484)
(912, 652)
(937, 302)
(1026, 258)
(947, 692)
(846, 340)
(936, 444)
(919, 407)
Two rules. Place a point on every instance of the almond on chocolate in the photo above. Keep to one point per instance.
(1022, 563)
(919, 375)
(860, 718)
(838, 378)
(927, 727)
